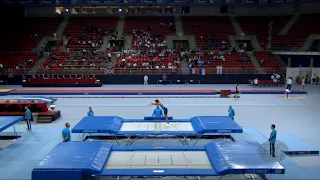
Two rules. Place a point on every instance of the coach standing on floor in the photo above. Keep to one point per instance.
(27, 117)
(231, 112)
(90, 112)
(66, 135)
(272, 139)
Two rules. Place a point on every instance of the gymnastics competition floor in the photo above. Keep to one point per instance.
(297, 116)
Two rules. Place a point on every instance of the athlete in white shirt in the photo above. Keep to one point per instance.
(289, 84)
(255, 82)
(303, 83)
(146, 78)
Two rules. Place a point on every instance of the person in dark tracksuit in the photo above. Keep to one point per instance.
(272, 140)
(27, 117)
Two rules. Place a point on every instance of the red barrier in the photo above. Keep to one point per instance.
(225, 92)
(68, 81)
(19, 106)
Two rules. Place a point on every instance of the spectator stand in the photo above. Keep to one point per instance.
(210, 32)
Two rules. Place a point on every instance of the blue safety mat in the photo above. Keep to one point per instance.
(7, 121)
(71, 159)
(240, 158)
(98, 124)
(215, 124)
(41, 97)
(296, 146)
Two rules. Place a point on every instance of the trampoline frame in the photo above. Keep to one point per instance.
(183, 139)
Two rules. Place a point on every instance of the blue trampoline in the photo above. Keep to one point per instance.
(119, 127)
(47, 100)
(8, 121)
(73, 160)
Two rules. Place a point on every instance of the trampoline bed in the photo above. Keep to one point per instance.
(100, 159)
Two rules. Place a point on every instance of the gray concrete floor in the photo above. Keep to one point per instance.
(298, 115)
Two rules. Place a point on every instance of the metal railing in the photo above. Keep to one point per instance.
(119, 71)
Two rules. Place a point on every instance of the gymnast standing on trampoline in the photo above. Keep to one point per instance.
(165, 110)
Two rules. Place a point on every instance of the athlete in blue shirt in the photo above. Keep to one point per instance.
(272, 139)
(157, 112)
(231, 112)
(165, 110)
(27, 116)
(66, 135)
(90, 112)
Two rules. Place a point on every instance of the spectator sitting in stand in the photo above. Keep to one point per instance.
(241, 51)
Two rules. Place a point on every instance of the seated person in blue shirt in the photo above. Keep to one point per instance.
(90, 112)
(157, 112)
(66, 135)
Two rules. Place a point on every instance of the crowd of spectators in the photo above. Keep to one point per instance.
(81, 51)
(209, 40)
(84, 59)
(148, 59)
(91, 38)
(24, 64)
(206, 58)
(146, 39)
(17, 60)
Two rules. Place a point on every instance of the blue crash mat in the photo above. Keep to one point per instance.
(72, 160)
(7, 121)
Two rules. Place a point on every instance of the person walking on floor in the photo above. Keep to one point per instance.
(272, 140)
(313, 79)
(66, 135)
(231, 112)
(146, 78)
(303, 83)
(289, 84)
(27, 116)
